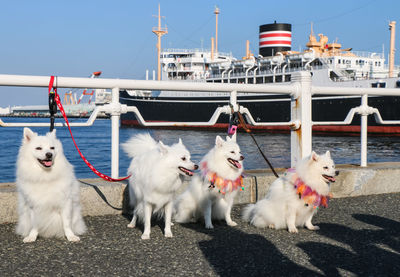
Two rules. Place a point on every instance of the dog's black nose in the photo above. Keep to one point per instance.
(337, 172)
(49, 155)
(196, 167)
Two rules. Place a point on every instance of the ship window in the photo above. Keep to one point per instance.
(339, 61)
(398, 84)
(382, 85)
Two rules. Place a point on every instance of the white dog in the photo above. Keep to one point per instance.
(157, 172)
(294, 198)
(48, 192)
(212, 193)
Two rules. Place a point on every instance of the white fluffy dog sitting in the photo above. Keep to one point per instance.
(211, 195)
(48, 192)
(294, 198)
(157, 172)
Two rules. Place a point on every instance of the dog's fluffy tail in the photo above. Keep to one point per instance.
(248, 212)
(139, 144)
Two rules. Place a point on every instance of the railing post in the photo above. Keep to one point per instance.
(301, 138)
(115, 134)
(235, 107)
(364, 130)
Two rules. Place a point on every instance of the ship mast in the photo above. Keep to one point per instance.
(216, 11)
(392, 28)
(159, 32)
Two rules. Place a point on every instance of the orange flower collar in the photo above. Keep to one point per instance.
(310, 196)
(223, 185)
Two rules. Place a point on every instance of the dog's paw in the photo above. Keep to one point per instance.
(29, 239)
(168, 234)
(73, 238)
(209, 226)
(293, 230)
(145, 236)
(232, 223)
(130, 225)
(271, 226)
(312, 227)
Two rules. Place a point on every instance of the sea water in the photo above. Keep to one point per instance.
(95, 143)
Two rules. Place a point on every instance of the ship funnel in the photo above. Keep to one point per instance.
(274, 38)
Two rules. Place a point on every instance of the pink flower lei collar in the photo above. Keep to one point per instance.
(223, 185)
(310, 196)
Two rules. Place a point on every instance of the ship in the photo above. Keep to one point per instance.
(328, 63)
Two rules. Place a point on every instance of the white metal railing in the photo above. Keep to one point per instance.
(300, 91)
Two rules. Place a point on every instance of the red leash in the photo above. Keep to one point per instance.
(59, 105)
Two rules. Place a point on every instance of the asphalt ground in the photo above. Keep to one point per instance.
(359, 236)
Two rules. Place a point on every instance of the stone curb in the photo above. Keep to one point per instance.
(352, 181)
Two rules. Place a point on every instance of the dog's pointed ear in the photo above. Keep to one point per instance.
(314, 157)
(180, 141)
(228, 138)
(219, 141)
(52, 133)
(163, 148)
(328, 154)
(28, 135)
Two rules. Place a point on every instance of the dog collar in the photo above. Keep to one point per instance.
(309, 196)
(216, 181)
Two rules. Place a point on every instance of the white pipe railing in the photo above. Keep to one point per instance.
(300, 91)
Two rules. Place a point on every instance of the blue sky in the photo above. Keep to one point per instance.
(75, 38)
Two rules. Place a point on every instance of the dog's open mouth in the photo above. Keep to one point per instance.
(46, 162)
(234, 163)
(329, 178)
(186, 171)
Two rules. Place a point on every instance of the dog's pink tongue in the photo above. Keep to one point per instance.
(238, 165)
(48, 163)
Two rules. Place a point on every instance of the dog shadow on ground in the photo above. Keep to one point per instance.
(366, 252)
(232, 252)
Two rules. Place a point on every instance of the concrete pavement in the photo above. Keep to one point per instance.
(359, 236)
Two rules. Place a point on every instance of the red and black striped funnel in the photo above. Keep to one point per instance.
(274, 38)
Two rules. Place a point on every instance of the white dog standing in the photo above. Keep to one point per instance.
(293, 199)
(211, 195)
(157, 172)
(48, 192)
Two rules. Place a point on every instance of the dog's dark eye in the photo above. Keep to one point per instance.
(325, 167)
(52, 148)
(38, 148)
(183, 158)
(233, 152)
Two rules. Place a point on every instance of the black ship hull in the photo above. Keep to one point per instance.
(263, 108)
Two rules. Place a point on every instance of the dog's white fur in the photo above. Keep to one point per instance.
(156, 173)
(48, 192)
(201, 200)
(282, 208)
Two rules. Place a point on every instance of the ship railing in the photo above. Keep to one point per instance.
(172, 51)
(359, 54)
(299, 90)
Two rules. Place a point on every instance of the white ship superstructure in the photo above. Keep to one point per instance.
(328, 62)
